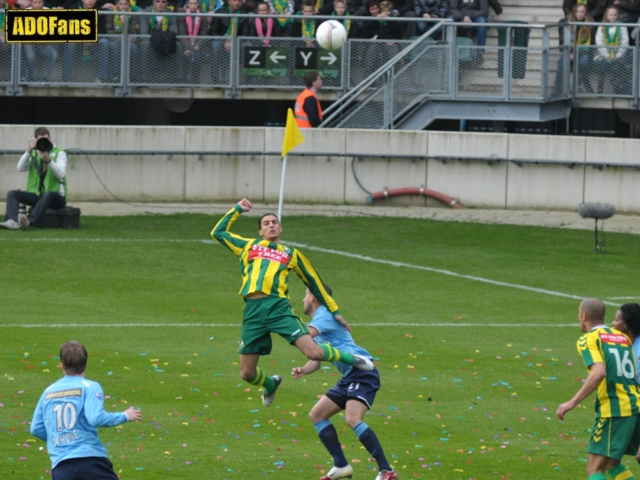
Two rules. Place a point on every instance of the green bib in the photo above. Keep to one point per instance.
(50, 182)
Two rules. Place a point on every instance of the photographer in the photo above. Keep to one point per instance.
(46, 183)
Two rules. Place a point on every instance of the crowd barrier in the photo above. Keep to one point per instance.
(512, 70)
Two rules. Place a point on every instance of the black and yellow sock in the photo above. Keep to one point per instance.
(619, 472)
(261, 379)
(333, 355)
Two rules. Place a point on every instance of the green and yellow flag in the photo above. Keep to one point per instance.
(292, 135)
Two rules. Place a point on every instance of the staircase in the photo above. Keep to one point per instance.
(449, 79)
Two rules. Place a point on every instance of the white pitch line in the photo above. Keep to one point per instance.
(234, 325)
(344, 254)
(623, 298)
(444, 272)
(115, 240)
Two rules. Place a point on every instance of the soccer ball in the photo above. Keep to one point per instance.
(331, 35)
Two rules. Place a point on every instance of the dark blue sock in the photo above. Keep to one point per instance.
(329, 438)
(370, 441)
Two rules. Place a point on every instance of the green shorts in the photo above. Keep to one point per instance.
(264, 316)
(615, 437)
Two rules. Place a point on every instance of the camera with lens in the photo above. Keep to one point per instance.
(44, 145)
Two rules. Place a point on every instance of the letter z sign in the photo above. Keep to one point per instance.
(265, 61)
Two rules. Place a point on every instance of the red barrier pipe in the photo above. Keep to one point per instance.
(423, 192)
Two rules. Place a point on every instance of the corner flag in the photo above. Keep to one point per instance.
(292, 135)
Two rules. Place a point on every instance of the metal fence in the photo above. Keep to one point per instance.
(453, 66)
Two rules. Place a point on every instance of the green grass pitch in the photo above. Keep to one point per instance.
(472, 371)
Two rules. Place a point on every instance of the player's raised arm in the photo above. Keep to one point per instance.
(245, 204)
(221, 232)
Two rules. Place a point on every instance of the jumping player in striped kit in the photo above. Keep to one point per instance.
(265, 265)
(608, 355)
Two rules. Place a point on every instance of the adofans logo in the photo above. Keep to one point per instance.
(51, 26)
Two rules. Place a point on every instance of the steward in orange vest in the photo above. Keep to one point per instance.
(308, 111)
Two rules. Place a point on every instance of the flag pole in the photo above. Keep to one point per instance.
(292, 138)
(284, 171)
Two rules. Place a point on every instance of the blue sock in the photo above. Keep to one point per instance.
(370, 441)
(329, 438)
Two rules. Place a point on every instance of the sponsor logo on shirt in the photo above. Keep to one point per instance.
(74, 392)
(67, 437)
(267, 253)
(99, 395)
(613, 338)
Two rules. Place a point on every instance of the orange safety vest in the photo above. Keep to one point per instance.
(302, 119)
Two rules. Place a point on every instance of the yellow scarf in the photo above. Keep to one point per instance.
(308, 28)
(118, 22)
(165, 21)
(233, 24)
(611, 41)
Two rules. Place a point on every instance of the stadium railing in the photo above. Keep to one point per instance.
(450, 66)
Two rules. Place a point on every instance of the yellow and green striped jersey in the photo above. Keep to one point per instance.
(265, 266)
(618, 393)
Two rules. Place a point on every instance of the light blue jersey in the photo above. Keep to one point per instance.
(332, 332)
(67, 417)
(636, 352)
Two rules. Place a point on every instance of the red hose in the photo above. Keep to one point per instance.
(423, 192)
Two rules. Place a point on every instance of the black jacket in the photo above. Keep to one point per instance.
(220, 25)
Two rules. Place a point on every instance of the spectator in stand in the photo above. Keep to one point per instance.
(160, 67)
(158, 20)
(264, 27)
(612, 45)
(283, 7)
(70, 50)
(46, 51)
(472, 11)
(192, 26)
(340, 10)
(207, 6)
(595, 7)
(353, 6)
(306, 27)
(583, 38)
(361, 28)
(110, 49)
(629, 10)
(430, 9)
(226, 27)
(378, 53)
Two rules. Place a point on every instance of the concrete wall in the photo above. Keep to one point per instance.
(456, 164)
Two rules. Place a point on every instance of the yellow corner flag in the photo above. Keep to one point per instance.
(292, 135)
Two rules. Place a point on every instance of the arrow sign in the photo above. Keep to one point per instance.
(330, 59)
(265, 61)
(274, 57)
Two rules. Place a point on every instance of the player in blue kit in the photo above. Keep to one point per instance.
(354, 393)
(67, 417)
